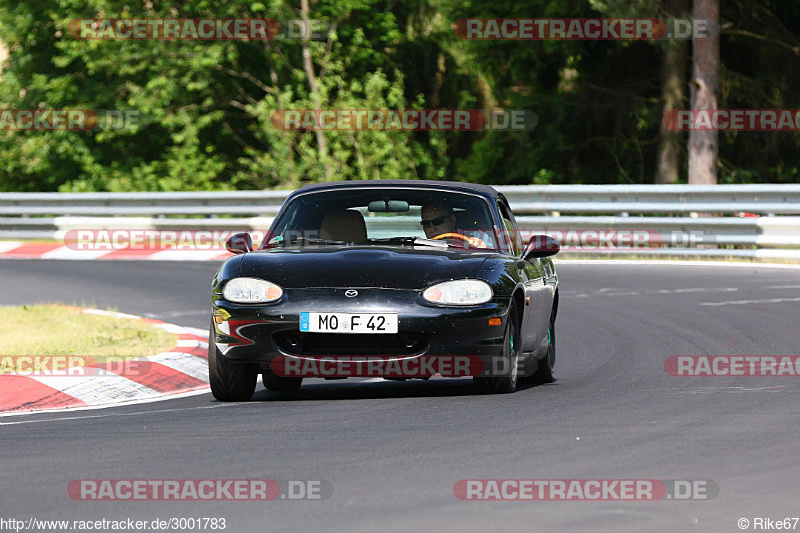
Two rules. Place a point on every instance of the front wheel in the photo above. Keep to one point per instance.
(507, 381)
(230, 382)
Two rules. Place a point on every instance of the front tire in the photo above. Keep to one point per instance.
(230, 382)
(507, 382)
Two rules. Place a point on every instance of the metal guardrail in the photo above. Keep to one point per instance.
(524, 199)
(140, 203)
(654, 199)
(689, 220)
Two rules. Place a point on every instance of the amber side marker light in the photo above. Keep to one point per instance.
(494, 321)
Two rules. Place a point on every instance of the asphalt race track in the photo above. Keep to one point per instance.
(393, 451)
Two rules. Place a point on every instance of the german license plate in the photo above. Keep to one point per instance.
(348, 322)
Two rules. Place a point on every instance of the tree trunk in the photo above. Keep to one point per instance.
(673, 80)
(703, 145)
(308, 66)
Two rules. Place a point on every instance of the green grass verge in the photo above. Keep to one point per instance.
(53, 330)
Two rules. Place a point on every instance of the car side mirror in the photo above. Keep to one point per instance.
(239, 243)
(541, 246)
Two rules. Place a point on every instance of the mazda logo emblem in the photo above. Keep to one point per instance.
(351, 293)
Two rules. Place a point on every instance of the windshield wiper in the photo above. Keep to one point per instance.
(418, 241)
(309, 240)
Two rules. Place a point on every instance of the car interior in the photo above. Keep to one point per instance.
(362, 216)
(343, 225)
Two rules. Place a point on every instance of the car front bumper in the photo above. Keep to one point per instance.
(259, 333)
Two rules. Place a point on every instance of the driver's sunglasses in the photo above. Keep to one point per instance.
(438, 221)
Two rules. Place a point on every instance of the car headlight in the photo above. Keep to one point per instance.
(459, 292)
(251, 291)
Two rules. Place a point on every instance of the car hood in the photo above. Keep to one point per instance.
(361, 266)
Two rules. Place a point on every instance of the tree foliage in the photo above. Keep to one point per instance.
(209, 103)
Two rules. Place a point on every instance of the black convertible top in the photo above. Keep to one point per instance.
(485, 190)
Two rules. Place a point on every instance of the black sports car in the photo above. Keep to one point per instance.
(394, 279)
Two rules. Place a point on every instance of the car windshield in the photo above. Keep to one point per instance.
(386, 216)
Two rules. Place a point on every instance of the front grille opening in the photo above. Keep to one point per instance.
(296, 343)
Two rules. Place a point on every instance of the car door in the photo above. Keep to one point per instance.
(538, 293)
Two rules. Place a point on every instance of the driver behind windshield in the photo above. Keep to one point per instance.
(437, 219)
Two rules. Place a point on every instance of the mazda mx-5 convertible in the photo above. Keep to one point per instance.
(389, 279)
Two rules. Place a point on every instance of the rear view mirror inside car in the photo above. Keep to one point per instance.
(388, 206)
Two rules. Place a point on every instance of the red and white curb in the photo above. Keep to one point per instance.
(182, 370)
(49, 250)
